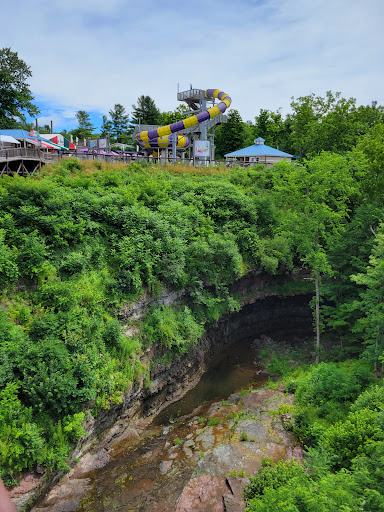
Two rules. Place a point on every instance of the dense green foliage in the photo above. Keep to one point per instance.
(314, 124)
(16, 97)
(231, 135)
(76, 244)
(74, 248)
(146, 111)
(339, 419)
(77, 247)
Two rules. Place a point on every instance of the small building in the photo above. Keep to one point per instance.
(259, 153)
(32, 139)
(57, 138)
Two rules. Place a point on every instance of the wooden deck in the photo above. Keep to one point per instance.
(23, 161)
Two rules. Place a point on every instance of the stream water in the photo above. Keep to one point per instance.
(228, 373)
(147, 471)
(140, 479)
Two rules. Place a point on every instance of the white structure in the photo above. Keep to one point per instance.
(259, 153)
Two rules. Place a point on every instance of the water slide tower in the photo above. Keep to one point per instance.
(202, 131)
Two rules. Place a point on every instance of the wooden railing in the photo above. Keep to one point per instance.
(26, 153)
(82, 155)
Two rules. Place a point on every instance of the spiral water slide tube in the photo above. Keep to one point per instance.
(162, 137)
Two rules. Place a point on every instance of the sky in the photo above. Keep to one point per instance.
(90, 55)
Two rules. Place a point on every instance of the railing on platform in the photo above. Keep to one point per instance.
(80, 155)
(11, 154)
(27, 153)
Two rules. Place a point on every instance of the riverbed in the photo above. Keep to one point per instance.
(224, 426)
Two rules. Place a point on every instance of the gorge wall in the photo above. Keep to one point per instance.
(263, 312)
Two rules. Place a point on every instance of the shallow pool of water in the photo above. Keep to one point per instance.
(235, 369)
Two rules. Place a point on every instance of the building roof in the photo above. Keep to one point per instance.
(17, 133)
(259, 149)
(9, 139)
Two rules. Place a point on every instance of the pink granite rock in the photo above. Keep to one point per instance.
(203, 494)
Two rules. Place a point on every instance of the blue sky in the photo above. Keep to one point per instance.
(89, 55)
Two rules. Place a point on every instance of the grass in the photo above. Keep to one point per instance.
(244, 436)
(87, 167)
(181, 168)
(244, 392)
(90, 167)
(240, 473)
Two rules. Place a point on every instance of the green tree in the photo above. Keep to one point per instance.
(106, 127)
(271, 127)
(341, 292)
(85, 129)
(369, 115)
(315, 197)
(371, 305)
(231, 135)
(119, 121)
(371, 145)
(173, 116)
(323, 124)
(146, 111)
(15, 94)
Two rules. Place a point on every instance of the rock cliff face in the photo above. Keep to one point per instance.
(269, 315)
(263, 311)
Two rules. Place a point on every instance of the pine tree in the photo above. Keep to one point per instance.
(120, 120)
(146, 111)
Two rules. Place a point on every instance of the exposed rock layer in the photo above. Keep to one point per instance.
(263, 312)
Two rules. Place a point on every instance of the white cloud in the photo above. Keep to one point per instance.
(91, 55)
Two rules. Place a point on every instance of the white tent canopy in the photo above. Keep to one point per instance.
(8, 139)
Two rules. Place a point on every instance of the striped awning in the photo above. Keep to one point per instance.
(39, 141)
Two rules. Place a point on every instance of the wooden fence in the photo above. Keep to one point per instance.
(24, 161)
(27, 154)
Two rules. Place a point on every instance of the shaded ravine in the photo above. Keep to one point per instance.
(146, 467)
(154, 473)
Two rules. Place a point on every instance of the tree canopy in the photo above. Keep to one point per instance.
(231, 135)
(15, 94)
(146, 111)
(119, 121)
(85, 129)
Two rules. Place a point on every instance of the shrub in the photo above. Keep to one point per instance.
(174, 329)
(21, 441)
(347, 439)
(244, 436)
(9, 271)
(328, 382)
(272, 476)
(372, 398)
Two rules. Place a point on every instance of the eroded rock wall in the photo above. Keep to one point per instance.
(263, 312)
